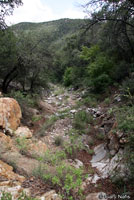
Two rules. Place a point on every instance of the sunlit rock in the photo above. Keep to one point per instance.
(10, 114)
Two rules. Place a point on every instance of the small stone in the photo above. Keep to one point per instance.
(95, 178)
(23, 132)
(119, 134)
(78, 163)
(112, 152)
(73, 111)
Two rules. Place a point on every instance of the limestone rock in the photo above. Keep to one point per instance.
(10, 114)
(51, 195)
(23, 132)
(6, 171)
(37, 148)
(6, 143)
(14, 191)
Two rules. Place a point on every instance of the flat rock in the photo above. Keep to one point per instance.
(100, 153)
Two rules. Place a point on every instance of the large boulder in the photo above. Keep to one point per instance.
(6, 172)
(23, 132)
(10, 114)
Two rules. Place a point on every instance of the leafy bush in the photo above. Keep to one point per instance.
(67, 79)
(58, 140)
(23, 99)
(89, 101)
(22, 196)
(125, 119)
(81, 120)
(101, 82)
(51, 158)
(127, 90)
(65, 177)
(22, 144)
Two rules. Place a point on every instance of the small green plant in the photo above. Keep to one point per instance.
(107, 101)
(74, 145)
(81, 121)
(48, 124)
(6, 196)
(59, 91)
(90, 142)
(90, 102)
(58, 140)
(53, 158)
(22, 144)
(36, 118)
(22, 196)
(100, 136)
(91, 151)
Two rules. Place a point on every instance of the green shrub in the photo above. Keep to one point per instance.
(127, 90)
(101, 82)
(6, 196)
(125, 119)
(81, 120)
(53, 158)
(65, 177)
(22, 196)
(107, 101)
(89, 101)
(36, 118)
(27, 100)
(58, 140)
(68, 79)
(22, 144)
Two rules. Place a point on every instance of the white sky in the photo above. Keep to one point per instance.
(46, 10)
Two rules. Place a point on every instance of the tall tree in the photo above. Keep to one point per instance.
(6, 8)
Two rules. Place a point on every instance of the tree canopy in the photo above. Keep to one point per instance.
(6, 8)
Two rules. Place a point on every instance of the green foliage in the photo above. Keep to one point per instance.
(22, 196)
(68, 76)
(22, 144)
(36, 118)
(24, 99)
(127, 90)
(107, 101)
(90, 101)
(64, 176)
(100, 136)
(90, 54)
(74, 145)
(125, 118)
(51, 158)
(6, 196)
(58, 140)
(81, 121)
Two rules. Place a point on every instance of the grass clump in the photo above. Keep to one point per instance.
(58, 140)
(52, 158)
(67, 178)
(22, 144)
(48, 124)
(22, 196)
(81, 121)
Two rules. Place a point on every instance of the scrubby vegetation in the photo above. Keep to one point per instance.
(95, 55)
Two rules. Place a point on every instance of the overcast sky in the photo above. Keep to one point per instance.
(46, 10)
